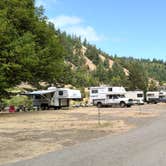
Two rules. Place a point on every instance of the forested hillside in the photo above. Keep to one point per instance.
(88, 65)
(33, 51)
(107, 69)
(156, 68)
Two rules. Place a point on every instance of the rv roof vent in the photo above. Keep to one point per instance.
(52, 88)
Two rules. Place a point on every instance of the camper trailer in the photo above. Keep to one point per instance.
(152, 97)
(108, 96)
(54, 97)
(137, 96)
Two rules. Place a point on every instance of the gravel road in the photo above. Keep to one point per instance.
(143, 146)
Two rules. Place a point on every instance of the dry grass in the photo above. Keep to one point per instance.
(133, 112)
(26, 135)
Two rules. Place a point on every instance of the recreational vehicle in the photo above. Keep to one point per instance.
(137, 96)
(54, 97)
(152, 97)
(108, 96)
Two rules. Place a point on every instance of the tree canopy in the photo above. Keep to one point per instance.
(29, 47)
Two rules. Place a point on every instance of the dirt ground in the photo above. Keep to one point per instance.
(28, 134)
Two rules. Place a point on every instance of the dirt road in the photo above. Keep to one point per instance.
(144, 140)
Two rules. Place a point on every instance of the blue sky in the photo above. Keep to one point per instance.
(122, 27)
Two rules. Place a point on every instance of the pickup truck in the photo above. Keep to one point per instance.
(114, 99)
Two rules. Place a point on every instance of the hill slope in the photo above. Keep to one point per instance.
(95, 67)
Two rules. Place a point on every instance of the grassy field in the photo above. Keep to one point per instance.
(28, 134)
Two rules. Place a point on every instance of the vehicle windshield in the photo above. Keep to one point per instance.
(116, 96)
(121, 96)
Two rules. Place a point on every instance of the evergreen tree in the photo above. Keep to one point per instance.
(117, 76)
(29, 49)
(138, 78)
(152, 86)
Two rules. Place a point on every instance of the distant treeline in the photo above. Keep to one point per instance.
(156, 69)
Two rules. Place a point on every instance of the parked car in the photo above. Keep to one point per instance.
(162, 99)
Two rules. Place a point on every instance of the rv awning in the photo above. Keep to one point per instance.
(41, 92)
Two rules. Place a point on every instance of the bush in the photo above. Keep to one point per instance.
(17, 101)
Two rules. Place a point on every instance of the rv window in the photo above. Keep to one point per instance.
(140, 95)
(60, 93)
(110, 89)
(115, 97)
(109, 96)
(150, 94)
(94, 91)
(37, 97)
(121, 96)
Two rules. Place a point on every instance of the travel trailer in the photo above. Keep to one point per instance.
(152, 97)
(137, 96)
(54, 97)
(108, 96)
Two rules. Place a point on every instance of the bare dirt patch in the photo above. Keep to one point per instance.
(26, 135)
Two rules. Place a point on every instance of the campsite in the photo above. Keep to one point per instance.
(82, 83)
(25, 135)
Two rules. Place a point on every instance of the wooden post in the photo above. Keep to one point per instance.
(99, 116)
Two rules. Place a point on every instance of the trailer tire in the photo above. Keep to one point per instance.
(99, 104)
(122, 104)
(44, 107)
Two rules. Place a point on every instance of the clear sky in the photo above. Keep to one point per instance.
(134, 28)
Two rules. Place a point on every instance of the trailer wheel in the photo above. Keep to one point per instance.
(44, 106)
(122, 104)
(99, 105)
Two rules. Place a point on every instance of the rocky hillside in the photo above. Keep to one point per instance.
(91, 66)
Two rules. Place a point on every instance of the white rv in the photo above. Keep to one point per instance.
(108, 96)
(152, 97)
(137, 96)
(54, 97)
